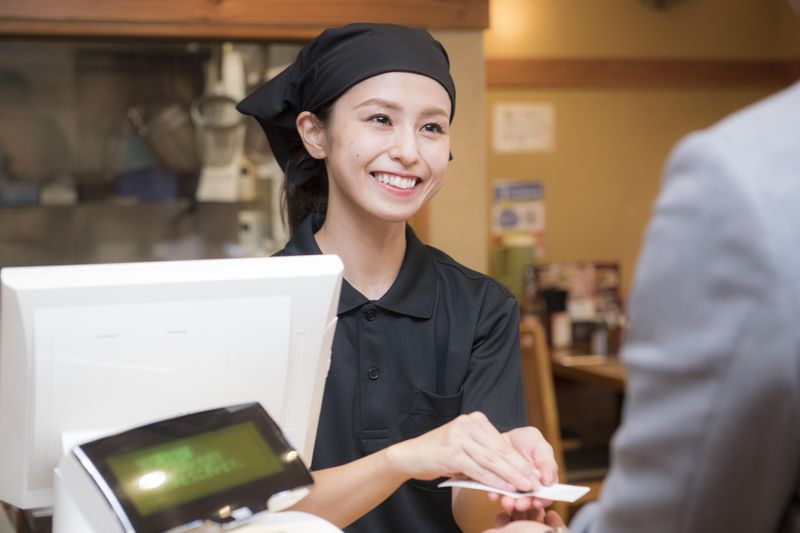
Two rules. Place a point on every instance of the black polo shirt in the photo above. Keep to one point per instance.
(442, 341)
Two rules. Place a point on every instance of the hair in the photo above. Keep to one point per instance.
(300, 201)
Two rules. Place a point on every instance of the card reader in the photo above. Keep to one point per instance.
(221, 469)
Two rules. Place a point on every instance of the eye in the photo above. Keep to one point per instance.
(433, 127)
(380, 119)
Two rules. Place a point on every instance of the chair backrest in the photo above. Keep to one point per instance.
(540, 398)
(540, 394)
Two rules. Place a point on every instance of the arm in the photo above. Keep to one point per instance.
(468, 445)
(344, 494)
(710, 434)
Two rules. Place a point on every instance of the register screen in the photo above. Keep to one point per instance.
(191, 468)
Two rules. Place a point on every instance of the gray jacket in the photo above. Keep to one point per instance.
(710, 439)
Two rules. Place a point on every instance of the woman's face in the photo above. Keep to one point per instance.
(387, 146)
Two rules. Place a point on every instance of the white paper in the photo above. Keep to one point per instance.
(557, 492)
(523, 127)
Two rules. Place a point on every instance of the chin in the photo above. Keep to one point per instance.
(395, 216)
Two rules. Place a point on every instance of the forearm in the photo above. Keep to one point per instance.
(343, 494)
(473, 511)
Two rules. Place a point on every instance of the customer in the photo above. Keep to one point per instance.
(710, 440)
(424, 375)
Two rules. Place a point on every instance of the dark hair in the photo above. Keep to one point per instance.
(300, 201)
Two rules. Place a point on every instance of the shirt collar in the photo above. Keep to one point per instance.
(412, 293)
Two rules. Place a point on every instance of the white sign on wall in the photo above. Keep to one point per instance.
(523, 127)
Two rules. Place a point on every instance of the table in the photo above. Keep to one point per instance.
(596, 369)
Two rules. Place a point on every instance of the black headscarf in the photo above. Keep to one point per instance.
(332, 63)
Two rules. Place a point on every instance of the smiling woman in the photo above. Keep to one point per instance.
(386, 157)
(424, 379)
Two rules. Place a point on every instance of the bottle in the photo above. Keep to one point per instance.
(600, 338)
(559, 324)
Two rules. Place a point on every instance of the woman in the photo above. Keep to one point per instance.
(360, 124)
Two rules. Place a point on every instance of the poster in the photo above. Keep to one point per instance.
(518, 213)
(523, 127)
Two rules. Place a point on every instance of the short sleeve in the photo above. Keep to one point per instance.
(494, 382)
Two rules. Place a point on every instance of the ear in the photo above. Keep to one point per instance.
(312, 134)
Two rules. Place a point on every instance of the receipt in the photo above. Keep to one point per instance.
(557, 492)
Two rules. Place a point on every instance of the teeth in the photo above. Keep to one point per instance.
(396, 181)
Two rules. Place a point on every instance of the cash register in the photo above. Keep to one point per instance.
(226, 469)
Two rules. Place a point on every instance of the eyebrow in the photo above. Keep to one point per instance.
(428, 111)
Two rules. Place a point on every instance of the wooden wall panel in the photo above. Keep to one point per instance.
(249, 19)
(638, 73)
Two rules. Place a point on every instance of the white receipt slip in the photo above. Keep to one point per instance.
(557, 492)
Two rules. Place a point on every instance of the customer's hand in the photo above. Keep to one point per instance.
(543, 523)
(470, 446)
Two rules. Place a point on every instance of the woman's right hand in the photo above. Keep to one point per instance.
(470, 446)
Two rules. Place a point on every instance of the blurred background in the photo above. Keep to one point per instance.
(119, 141)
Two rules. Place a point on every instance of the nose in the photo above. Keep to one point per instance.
(404, 146)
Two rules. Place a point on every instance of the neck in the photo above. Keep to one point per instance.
(372, 252)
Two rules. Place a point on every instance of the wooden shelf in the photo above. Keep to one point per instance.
(227, 19)
(638, 73)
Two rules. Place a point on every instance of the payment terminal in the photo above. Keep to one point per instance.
(227, 469)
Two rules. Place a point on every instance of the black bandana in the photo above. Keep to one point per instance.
(332, 63)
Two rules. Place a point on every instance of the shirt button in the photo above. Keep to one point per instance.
(373, 373)
(369, 312)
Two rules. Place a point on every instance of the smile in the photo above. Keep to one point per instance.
(395, 181)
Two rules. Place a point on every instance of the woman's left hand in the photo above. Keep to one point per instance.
(530, 443)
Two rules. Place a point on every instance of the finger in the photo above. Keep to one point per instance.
(545, 461)
(501, 520)
(553, 519)
(473, 469)
(487, 461)
(508, 503)
(523, 504)
(531, 443)
(484, 433)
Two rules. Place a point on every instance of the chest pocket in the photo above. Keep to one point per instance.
(429, 411)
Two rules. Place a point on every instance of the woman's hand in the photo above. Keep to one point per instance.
(470, 446)
(529, 442)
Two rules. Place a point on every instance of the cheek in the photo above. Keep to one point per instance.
(438, 160)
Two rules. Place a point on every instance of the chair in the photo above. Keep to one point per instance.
(540, 398)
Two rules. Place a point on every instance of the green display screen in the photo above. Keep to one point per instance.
(188, 469)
